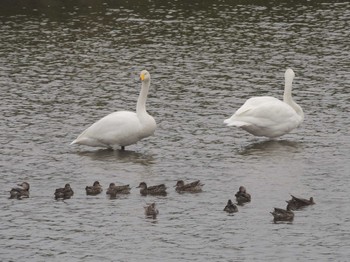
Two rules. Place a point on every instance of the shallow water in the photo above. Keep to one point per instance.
(62, 67)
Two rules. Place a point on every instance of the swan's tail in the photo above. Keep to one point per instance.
(231, 122)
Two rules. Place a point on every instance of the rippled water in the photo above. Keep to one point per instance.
(64, 66)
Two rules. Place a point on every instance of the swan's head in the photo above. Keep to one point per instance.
(145, 75)
(289, 73)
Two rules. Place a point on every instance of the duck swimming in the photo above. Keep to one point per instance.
(152, 190)
(65, 193)
(230, 207)
(151, 211)
(94, 190)
(242, 196)
(193, 187)
(20, 192)
(113, 190)
(296, 203)
(280, 214)
(268, 116)
(122, 128)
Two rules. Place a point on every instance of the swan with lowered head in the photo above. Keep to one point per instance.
(269, 116)
(122, 128)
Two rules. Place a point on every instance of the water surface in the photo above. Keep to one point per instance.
(65, 65)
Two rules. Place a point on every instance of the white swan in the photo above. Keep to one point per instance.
(122, 128)
(269, 116)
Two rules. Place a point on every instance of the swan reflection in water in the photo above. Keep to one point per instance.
(271, 147)
(121, 155)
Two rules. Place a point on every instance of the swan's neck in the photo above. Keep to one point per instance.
(141, 101)
(287, 97)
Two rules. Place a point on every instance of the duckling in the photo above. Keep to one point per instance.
(20, 192)
(280, 214)
(151, 210)
(242, 196)
(193, 187)
(159, 190)
(94, 190)
(65, 193)
(230, 207)
(113, 190)
(296, 203)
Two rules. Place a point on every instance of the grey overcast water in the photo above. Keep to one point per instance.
(66, 64)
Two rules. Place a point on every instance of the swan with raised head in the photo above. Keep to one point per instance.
(122, 128)
(269, 116)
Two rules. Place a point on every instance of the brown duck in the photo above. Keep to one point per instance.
(159, 190)
(94, 190)
(242, 196)
(20, 192)
(297, 203)
(65, 193)
(193, 187)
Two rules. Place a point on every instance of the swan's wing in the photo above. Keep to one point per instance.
(113, 128)
(262, 111)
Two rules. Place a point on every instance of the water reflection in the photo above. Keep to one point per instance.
(120, 155)
(271, 147)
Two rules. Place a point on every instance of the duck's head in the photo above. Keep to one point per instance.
(229, 202)
(180, 183)
(96, 183)
(24, 185)
(242, 189)
(142, 185)
(111, 185)
(67, 186)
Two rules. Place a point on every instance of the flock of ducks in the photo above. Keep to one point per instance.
(260, 116)
(287, 215)
(242, 196)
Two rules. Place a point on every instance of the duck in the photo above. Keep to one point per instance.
(94, 190)
(280, 214)
(152, 190)
(151, 210)
(122, 128)
(296, 203)
(242, 196)
(193, 187)
(20, 192)
(230, 207)
(113, 190)
(65, 193)
(268, 116)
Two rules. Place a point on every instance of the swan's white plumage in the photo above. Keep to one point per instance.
(122, 128)
(269, 116)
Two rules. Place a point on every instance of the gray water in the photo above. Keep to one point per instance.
(65, 65)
